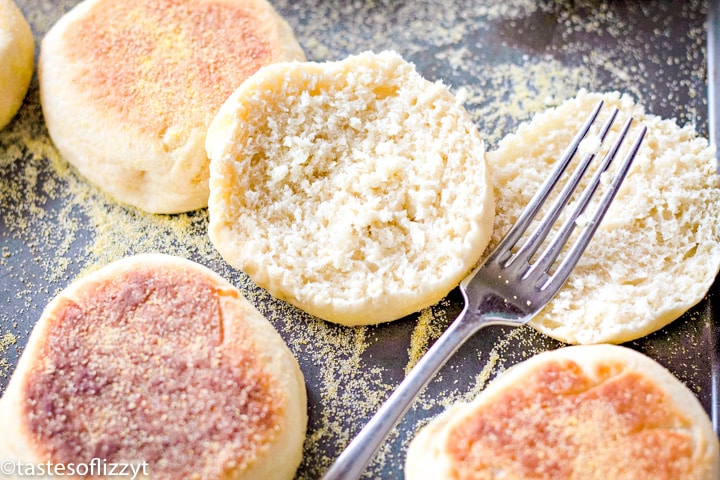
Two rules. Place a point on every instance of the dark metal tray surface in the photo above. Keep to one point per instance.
(508, 60)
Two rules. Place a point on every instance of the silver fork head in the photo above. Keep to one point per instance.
(515, 281)
(517, 288)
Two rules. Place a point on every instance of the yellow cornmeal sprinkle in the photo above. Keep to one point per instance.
(428, 327)
(67, 228)
(7, 340)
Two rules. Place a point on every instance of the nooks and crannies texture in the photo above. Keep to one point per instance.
(357, 190)
(657, 251)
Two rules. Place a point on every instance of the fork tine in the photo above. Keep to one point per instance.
(550, 254)
(537, 201)
(533, 243)
(554, 281)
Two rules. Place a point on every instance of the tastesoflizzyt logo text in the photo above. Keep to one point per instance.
(95, 467)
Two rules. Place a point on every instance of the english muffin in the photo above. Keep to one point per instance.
(356, 190)
(128, 89)
(156, 361)
(17, 59)
(582, 412)
(657, 251)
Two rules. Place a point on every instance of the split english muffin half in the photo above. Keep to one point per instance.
(356, 190)
(656, 252)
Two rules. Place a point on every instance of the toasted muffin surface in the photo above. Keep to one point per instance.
(170, 327)
(583, 412)
(164, 363)
(562, 424)
(169, 63)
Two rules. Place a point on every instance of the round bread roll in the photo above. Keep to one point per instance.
(17, 52)
(657, 251)
(128, 89)
(356, 190)
(156, 362)
(582, 412)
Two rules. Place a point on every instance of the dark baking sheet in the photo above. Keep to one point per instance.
(508, 59)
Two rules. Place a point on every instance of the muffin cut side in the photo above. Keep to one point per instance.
(343, 187)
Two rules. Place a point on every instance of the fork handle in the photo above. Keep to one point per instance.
(353, 460)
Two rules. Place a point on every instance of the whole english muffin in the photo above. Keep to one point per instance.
(157, 361)
(657, 251)
(584, 412)
(17, 59)
(356, 190)
(128, 89)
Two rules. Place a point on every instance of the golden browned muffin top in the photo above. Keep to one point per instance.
(169, 62)
(561, 423)
(142, 367)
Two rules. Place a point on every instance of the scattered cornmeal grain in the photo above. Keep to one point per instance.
(6, 341)
(428, 327)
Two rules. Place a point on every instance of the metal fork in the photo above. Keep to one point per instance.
(511, 285)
